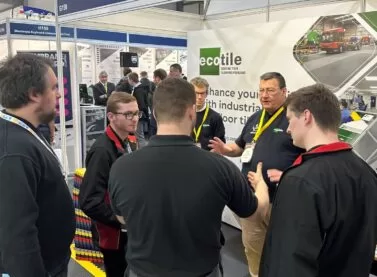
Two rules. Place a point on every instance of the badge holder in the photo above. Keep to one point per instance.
(198, 145)
(248, 153)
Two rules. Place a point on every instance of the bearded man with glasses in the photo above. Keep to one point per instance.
(109, 234)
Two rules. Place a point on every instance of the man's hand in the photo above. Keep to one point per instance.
(274, 175)
(256, 178)
(218, 146)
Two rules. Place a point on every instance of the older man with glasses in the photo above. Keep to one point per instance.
(263, 139)
(123, 114)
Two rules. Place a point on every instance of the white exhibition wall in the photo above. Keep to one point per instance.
(3, 49)
(232, 60)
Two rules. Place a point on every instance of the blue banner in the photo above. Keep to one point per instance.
(72, 6)
(101, 35)
(3, 29)
(39, 30)
(66, 80)
(154, 40)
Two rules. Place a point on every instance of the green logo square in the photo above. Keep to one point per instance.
(210, 61)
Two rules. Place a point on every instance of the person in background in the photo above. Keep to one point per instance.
(140, 92)
(172, 194)
(324, 217)
(37, 218)
(263, 139)
(146, 82)
(345, 112)
(103, 89)
(123, 84)
(123, 114)
(175, 71)
(158, 76)
(209, 124)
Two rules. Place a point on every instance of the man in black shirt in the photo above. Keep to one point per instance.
(123, 115)
(37, 220)
(171, 194)
(263, 139)
(209, 123)
(324, 216)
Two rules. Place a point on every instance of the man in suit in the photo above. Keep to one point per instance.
(102, 90)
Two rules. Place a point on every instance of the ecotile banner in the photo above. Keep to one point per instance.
(339, 51)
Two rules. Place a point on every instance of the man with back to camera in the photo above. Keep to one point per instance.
(123, 115)
(158, 76)
(209, 124)
(263, 139)
(37, 220)
(103, 89)
(123, 84)
(173, 213)
(324, 216)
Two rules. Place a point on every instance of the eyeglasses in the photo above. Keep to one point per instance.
(131, 115)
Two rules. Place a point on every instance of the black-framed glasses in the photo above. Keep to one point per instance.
(131, 115)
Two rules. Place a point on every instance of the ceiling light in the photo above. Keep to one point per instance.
(371, 78)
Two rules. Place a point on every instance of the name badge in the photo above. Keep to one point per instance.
(248, 153)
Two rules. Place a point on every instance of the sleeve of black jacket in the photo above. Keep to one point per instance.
(242, 200)
(19, 243)
(219, 128)
(295, 235)
(94, 187)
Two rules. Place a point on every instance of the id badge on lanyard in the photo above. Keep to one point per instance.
(247, 154)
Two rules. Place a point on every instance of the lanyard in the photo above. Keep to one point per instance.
(22, 124)
(261, 127)
(197, 133)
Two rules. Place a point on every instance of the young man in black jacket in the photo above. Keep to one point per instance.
(324, 216)
(209, 123)
(123, 115)
(37, 220)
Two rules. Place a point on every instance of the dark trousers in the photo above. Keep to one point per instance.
(64, 273)
(115, 260)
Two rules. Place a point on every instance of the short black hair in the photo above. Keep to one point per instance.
(172, 98)
(177, 67)
(344, 103)
(274, 75)
(20, 75)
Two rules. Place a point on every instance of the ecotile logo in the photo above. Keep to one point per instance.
(214, 62)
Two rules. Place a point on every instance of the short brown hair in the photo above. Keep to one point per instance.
(118, 97)
(126, 71)
(160, 73)
(320, 101)
(172, 98)
(200, 82)
(133, 76)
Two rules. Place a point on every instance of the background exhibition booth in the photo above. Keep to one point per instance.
(333, 42)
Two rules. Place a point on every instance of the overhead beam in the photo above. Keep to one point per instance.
(206, 6)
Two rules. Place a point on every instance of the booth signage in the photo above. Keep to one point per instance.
(39, 30)
(72, 6)
(3, 29)
(101, 35)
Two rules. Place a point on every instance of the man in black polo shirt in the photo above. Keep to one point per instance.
(263, 139)
(37, 220)
(123, 114)
(172, 194)
(324, 217)
(209, 123)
